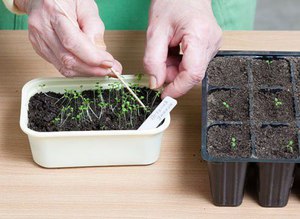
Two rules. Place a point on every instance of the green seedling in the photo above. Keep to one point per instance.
(269, 62)
(226, 105)
(278, 103)
(81, 107)
(233, 143)
(290, 146)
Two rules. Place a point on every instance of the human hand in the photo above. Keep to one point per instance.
(190, 23)
(71, 49)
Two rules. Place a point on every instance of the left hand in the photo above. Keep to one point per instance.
(171, 22)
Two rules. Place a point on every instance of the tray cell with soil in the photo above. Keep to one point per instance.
(231, 141)
(228, 72)
(274, 105)
(271, 72)
(228, 105)
(263, 127)
(283, 139)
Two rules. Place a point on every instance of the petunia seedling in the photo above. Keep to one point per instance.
(290, 146)
(269, 62)
(226, 105)
(278, 103)
(233, 143)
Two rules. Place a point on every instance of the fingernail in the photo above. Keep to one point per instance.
(153, 83)
(107, 64)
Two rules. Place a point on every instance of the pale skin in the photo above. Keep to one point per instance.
(80, 51)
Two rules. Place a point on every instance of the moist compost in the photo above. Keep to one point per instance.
(266, 98)
(296, 62)
(275, 72)
(273, 106)
(273, 142)
(228, 105)
(90, 110)
(227, 71)
(229, 141)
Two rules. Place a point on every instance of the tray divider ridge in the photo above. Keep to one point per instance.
(251, 102)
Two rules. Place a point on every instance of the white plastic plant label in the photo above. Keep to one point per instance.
(159, 114)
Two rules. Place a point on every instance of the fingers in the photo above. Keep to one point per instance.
(156, 56)
(71, 63)
(196, 56)
(65, 62)
(90, 22)
(172, 68)
(77, 43)
(71, 48)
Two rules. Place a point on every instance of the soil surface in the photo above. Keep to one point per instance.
(88, 110)
(228, 105)
(269, 105)
(221, 138)
(276, 142)
(296, 61)
(227, 72)
(271, 72)
(268, 108)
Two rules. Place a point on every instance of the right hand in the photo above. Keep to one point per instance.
(71, 49)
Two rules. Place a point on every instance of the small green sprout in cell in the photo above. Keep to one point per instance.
(56, 120)
(269, 62)
(233, 143)
(226, 105)
(277, 102)
(290, 146)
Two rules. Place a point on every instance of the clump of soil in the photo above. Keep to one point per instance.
(271, 72)
(230, 141)
(273, 106)
(276, 142)
(227, 71)
(228, 105)
(102, 109)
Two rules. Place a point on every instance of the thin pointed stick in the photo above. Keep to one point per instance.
(128, 88)
(67, 15)
(118, 75)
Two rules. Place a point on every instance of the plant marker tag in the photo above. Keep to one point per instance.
(159, 114)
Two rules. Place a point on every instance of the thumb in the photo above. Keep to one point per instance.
(156, 56)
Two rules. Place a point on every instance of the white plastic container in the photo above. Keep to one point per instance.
(88, 148)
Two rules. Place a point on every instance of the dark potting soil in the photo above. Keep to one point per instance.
(227, 71)
(271, 72)
(276, 142)
(228, 105)
(273, 106)
(230, 141)
(296, 62)
(74, 111)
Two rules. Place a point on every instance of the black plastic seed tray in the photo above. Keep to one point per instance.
(258, 126)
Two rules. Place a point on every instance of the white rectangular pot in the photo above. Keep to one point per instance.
(88, 148)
